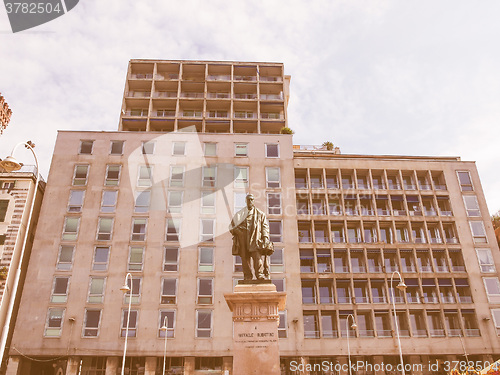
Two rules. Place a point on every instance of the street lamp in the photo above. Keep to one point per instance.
(353, 326)
(10, 164)
(401, 286)
(125, 288)
(165, 328)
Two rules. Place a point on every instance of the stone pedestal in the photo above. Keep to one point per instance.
(255, 339)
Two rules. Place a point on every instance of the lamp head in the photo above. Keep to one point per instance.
(354, 326)
(125, 288)
(10, 164)
(401, 286)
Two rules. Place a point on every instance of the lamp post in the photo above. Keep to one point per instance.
(165, 328)
(353, 326)
(10, 164)
(125, 288)
(401, 286)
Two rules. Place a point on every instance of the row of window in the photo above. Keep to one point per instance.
(139, 226)
(390, 260)
(179, 148)
(240, 176)
(316, 178)
(361, 291)
(136, 256)
(380, 323)
(380, 205)
(383, 232)
(166, 323)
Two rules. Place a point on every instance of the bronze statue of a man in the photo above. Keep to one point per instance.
(250, 232)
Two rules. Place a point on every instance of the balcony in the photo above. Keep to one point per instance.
(330, 334)
(246, 115)
(453, 332)
(437, 333)
(455, 268)
(218, 95)
(192, 95)
(379, 299)
(465, 299)
(218, 77)
(164, 113)
(399, 212)
(165, 94)
(451, 240)
(141, 76)
(445, 213)
(338, 239)
(431, 299)
(271, 116)
(399, 299)
(166, 76)
(138, 94)
(245, 96)
(425, 269)
(375, 269)
(415, 213)
(358, 269)
(425, 187)
(472, 332)
(344, 299)
(271, 97)
(419, 333)
(245, 78)
(441, 268)
(410, 187)
(440, 187)
(430, 213)
(137, 112)
(366, 333)
(311, 334)
(413, 299)
(382, 212)
(341, 269)
(270, 79)
(367, 212)
(198, 114)
(384, 333)
(218, 114)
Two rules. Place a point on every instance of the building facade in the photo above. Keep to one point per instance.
(150, 205)
(17, 190)
(5, 114)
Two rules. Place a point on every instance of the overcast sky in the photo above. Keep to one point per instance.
(412, 77)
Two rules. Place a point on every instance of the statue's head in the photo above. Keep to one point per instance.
(250, 201)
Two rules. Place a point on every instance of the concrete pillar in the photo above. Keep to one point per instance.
(377, 365)
(112, 365)
(189, 364)
(150, 366)
(72, 365)
(13, 366)
(227, 365)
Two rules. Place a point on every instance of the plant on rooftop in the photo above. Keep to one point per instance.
(286, 130)
(328, 145)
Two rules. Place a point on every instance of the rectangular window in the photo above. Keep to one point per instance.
(210, 149)
(239, 201)
(471, 206)
(60, 289)
(3, 237)
(74, 205)
(275, 231)
(177, 175)
(80, 175)
(148, 148)
(486, 262)
(145, 178)
(104, 229)
(171, 260)
(142, 201)
(116, 148)
(492, 286)
(241, 149)
(204, 323)
(179, 148)
(3, 209)
(173, 229)
(282, 333)
(205, 291)
(91, 323)
(273, 177)
(209, 176)
(70, 231)
(112, 175)
(108, 203)
(279, 284)
(238, 266)
(274, 203)
(135, 290)
(132, 326)
(277, 263)
(101, 258)
(208, 202)
(478, 232)
(65, 258)
(496, 319)
(240, 177)
(54, 322)
(465, 181)
(206, 259)
(139, 229)
(167, 319)
(207, 227)
(86, 147)
(169, 292)
(175, 201)
(96, 289)
(135, 258)
(272, 150)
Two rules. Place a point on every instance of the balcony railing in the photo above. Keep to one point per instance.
(358, 269)
(425, 269)
(218, 114)
(245, 96)
(375, 269)
(218, 77)
(399, 212)
(338, 239)
(451, 240)
(440, 187)
(192, 95)
(136, 112)
(142, 76)
(465, 299)
(271, 78)
(413, 299)
(271, 97)
(430, 213)
(431, 299)
(245, 115)
(192, 114)
(245, 78)
(271, 116)
(324, 268)
(218, 95)
(165, 113)
(138, 94)
(366, 333)
(381, 299)
(382, 212)
(445, 213)
(341, 269)
(441, 268)
(419, 333)
(472, 332)
(329, 334)
(367, 212)
(384, 333)
(164, 76)
(344, 299)
(425, 187)
(437, 332)
(456, 268)
(448, 299)
(311, 334)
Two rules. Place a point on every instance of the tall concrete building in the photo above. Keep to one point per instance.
(5, 114)
(155, 198)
